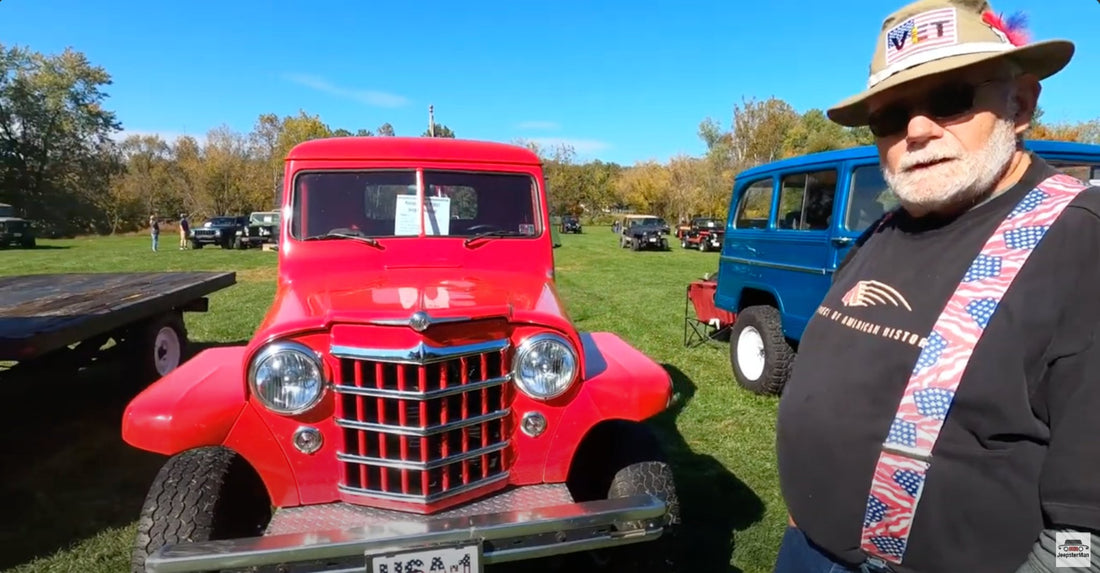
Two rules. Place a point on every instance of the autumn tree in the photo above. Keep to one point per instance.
(55, 137)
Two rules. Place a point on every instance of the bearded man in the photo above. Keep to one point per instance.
(960, 433)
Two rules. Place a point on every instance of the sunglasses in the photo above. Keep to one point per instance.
(942, 103)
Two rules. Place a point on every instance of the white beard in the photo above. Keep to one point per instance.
(966, 177)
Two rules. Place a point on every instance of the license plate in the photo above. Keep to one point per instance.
(652, 240)
(444, 559)
(17, 234)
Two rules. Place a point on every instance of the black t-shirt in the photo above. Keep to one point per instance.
(1020, 447)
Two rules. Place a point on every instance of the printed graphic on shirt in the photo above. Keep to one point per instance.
(873, 328)
(872, 293)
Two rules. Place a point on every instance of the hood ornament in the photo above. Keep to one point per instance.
(420, 321)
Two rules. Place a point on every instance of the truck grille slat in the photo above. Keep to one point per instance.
(423, 431)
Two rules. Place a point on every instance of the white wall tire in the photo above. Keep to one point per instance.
(760, 355)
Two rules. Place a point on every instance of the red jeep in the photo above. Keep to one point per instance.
(416, 398)
(705, 234)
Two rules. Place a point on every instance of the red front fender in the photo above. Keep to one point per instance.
(621, 383)
(195, 405)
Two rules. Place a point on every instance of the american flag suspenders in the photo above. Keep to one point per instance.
(906, 454)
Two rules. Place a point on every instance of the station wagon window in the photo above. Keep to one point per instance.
(384, 203)
(806, 200)
(1082, 171)
(754, 210)
(869, 198)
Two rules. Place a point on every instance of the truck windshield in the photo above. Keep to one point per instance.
(7, 211)
(385, 204)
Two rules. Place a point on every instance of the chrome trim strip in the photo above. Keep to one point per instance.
(417, 465)
(781, 266)
(421, 353)
(422, 432)
(585, 521)
(413, 395)
(408, 321)
(416, 498)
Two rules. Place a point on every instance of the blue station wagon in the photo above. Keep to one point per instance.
(790, 223)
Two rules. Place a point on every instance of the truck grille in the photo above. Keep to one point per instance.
(423, 424)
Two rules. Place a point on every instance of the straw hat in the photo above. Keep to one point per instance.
(934, 36)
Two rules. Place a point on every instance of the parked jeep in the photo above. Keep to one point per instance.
(416, 393)
(790, 224)
(705, 234)
(221, 230)
(262, 227)
(644, 232)
(570, 224)
(15, 231)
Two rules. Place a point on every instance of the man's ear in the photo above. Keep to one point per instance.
(1026, 101)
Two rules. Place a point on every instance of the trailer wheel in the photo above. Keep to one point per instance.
(760, 356)
(623, 459)
(204, 494)
(158, 346)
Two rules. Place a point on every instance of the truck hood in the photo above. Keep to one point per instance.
(392, 296)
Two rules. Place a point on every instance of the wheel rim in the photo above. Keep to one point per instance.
(166, 350)
(750, 353)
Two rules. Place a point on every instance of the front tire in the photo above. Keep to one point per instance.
(760, 355)
(625, 459)
(204, 494)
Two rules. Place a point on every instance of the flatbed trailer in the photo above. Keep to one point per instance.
(42, 316)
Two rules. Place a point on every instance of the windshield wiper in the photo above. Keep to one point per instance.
(489, 234)
(338, 235)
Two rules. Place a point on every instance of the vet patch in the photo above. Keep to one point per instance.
(921, 33)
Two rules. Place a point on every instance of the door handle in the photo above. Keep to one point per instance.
(842, 241)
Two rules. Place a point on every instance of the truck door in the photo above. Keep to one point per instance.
(863, 198)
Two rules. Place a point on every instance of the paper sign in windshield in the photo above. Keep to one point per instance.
(437, 217)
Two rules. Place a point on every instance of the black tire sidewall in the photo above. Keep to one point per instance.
(778, 355)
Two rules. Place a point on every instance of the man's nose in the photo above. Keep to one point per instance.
(922, 128)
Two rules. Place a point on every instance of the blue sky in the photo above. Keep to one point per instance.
(621, 81)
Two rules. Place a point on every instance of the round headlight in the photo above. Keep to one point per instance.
(287, 378)
(545, 366)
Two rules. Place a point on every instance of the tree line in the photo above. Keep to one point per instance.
(63, 166)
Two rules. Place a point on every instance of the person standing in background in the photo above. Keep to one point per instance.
(185, 228)
(154, 229)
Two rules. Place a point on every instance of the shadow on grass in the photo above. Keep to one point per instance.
(67, 473)
(715, 502)
(40, 247)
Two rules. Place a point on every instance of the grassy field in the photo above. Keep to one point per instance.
(72, 489)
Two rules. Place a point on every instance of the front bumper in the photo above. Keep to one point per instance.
(209, 238)
(522, 523)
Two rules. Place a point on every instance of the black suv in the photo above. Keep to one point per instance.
(14, 231)
(221, 230)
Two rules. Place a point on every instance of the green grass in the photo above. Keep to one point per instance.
(73, 489)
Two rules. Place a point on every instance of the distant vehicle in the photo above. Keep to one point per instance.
(704, 233)
(643, 232)
(570, 224)
(790, 224)
(221, 230)
(15, 231)
(262, 228)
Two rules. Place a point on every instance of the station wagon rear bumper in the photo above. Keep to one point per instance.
(309, 540)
